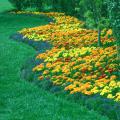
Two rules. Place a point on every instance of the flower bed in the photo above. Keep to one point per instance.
(75, 62)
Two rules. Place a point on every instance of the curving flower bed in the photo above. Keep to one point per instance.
(75, 62)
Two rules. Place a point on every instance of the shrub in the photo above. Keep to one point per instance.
(23, 4)
(19, 4)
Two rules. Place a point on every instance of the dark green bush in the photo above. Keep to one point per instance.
(23, 4)
(19, 4)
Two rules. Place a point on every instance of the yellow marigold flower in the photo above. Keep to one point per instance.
(69, 80)
(105, 90)
(87, 92)
(75, 67)
(76, 83)
(48, 65)
(72, 63)
(118, 94)
(94, 76)
(97, 64)
(90, 68)
(55, 70)
(39, 67)
(118, 84)
(112, 84)
(100, 84)
(113, 77)
(117, 97)
(76, 74)
(110, 96)
(109, 32)
(45, 72)
(57, 82)
(89, 78)
(72, 92)
(95, 90)
(70, 87)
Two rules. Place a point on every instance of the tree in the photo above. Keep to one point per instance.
(19, 4)
(56, 5)
(95, 15)
(38, 4)
(114, 15)
(68, 7)
(64, 6)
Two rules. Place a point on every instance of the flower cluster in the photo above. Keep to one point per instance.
(88, 70)
(66, 32)
(75, 62)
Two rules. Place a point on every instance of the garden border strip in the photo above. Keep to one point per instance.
(104, 103)
(91, 102)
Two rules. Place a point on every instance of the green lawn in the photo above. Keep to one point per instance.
(21, 100)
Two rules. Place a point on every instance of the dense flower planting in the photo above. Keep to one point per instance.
(75, 62)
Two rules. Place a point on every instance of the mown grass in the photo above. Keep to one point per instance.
(21, 100)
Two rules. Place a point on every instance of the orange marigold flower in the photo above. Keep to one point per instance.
(113, 77)
(41, 77)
